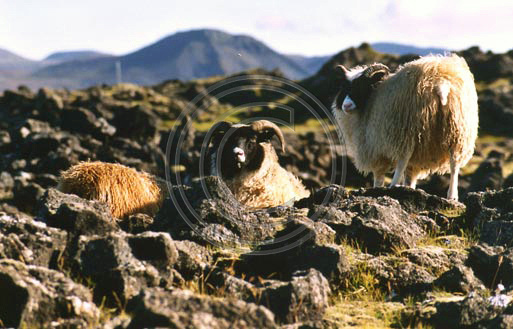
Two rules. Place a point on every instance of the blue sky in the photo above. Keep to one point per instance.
(35, 28)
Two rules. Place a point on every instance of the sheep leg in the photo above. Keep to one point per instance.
(412, 180)
(452, 193)
(399, 171)
(379, 179)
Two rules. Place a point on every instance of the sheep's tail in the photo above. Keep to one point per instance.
(443, 90)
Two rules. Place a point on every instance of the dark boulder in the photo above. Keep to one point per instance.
(459, 279)
(30, 241)
(83, 121)
(508, 182)
(301, 245)
(395, 274)
(26, 194)
(109, 262)
(209, 212)
(487, 66)
(157, 249)
(136, 223)
(492, 265)
(193, 259)
(496, 111)
(34, 296)
(491, 213)
(49, 105)
(474, 311)
(303, 298)
(75, 215)
(156, 307)
(379, 219)
(137, 123)
(488, 176)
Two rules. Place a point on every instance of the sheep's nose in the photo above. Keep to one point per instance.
(239, 154)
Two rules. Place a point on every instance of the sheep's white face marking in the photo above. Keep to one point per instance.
(240, 155)
(348, 105)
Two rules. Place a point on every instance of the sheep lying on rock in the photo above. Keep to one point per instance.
(245, 158)
(125, 190)
(419, 120)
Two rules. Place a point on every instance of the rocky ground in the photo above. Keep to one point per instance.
(346, 256)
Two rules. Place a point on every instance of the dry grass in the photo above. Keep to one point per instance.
(498, 83)
(363, 314)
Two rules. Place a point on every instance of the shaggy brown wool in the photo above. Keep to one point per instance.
(125, 190)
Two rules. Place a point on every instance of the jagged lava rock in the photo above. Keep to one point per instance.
(156, 307)
(378, 219)
(492, 214)
(303, 298)
(493, 265)
(301, 245)
(35, 296)
(208, 211)
(22, 238)
(74, 214)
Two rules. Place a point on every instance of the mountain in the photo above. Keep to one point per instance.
(310, 64)
(12, 64)
(401, 49)
(76, 55)
(184, 55)
(7, 57)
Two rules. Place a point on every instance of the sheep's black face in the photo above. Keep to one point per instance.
(343, 100)
(357, 87)
(239, 151)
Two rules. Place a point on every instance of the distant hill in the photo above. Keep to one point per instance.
(7, 57)
(76, 55)
(185, 55)
(400, 49)
(310, 64)
(15, 65)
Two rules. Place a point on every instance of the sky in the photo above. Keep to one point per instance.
(36, 28)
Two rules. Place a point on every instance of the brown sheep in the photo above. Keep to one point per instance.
(125, 190)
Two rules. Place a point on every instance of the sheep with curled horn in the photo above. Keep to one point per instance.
(420, 120)
(242, 154)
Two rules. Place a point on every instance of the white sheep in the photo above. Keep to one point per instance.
(422, 119)
(244, 157)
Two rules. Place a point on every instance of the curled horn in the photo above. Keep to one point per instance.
(382, 70)
(216, 128)
(262, 125)
(342, 68)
